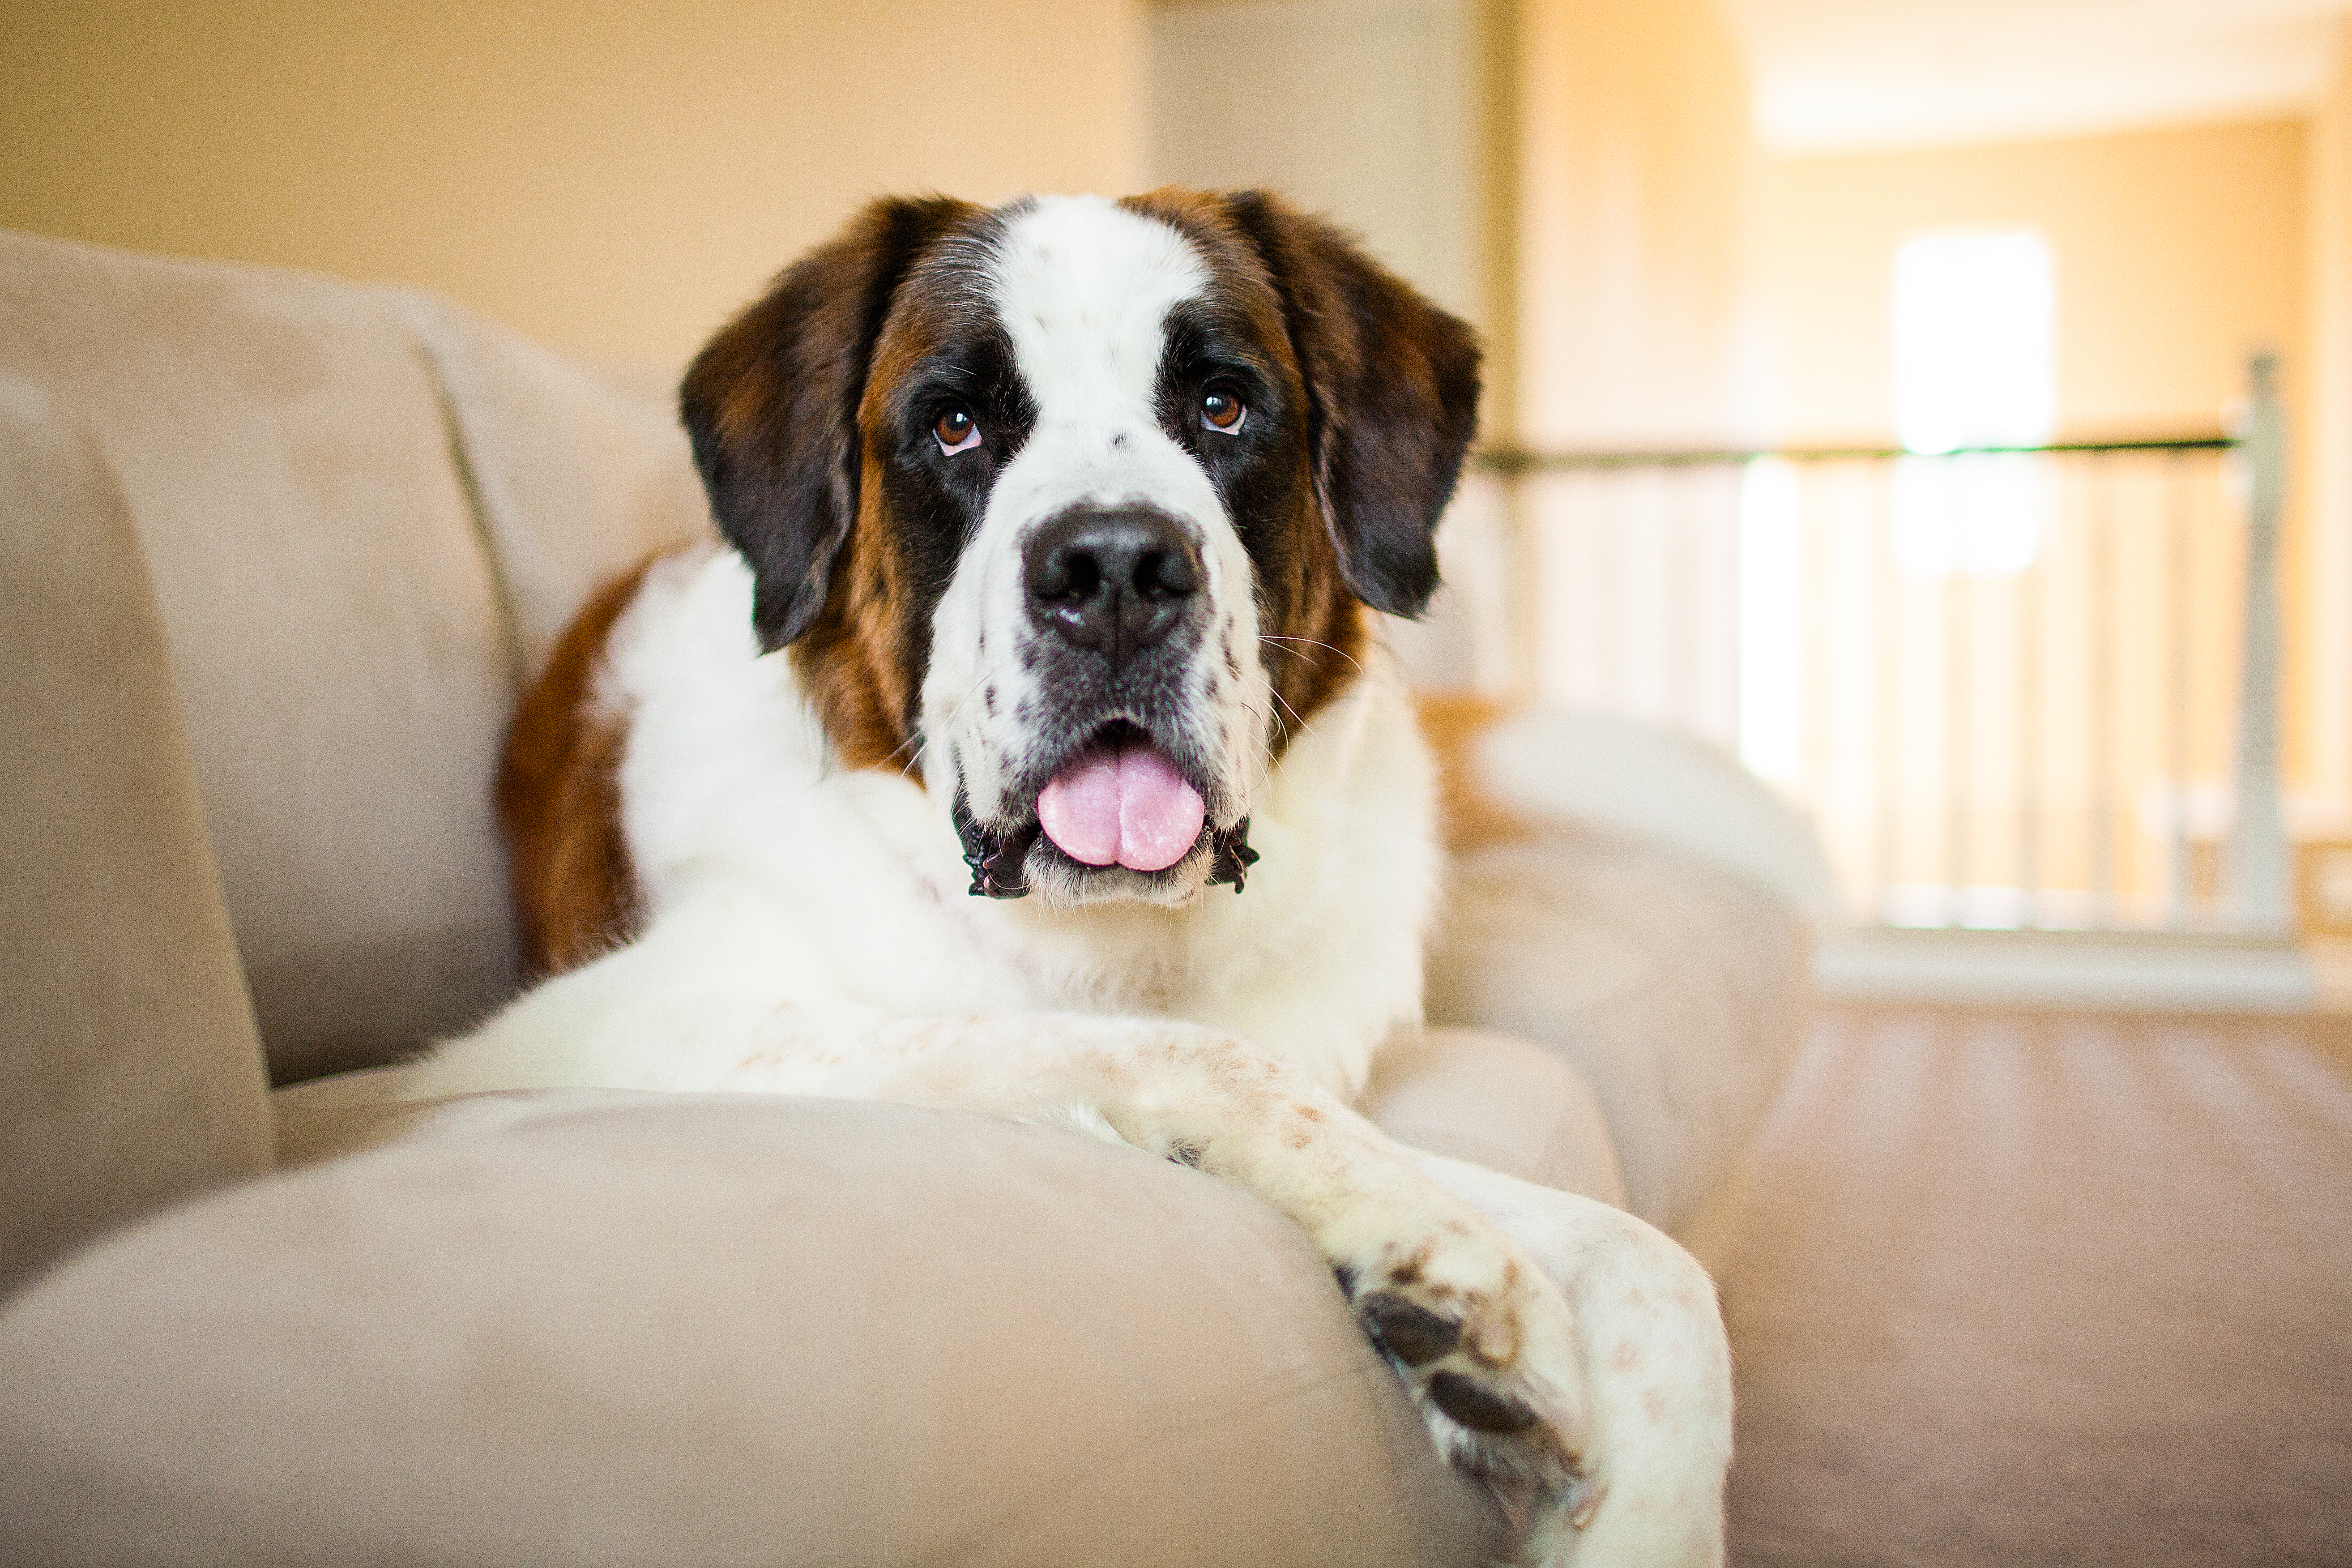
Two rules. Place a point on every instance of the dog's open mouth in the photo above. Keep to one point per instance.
(1120, 802)
(1119, 806)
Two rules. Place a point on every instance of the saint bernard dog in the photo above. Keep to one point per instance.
(1026, 747)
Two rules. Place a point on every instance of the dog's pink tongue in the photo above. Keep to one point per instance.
(1130, 807)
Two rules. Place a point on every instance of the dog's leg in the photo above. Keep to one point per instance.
(1482, 1339)
(1655, 1361)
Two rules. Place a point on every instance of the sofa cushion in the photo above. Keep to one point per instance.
(716, 1331)
(1500, 1102)
(576, 478)
(130, 1071)
(330, 614)
(1678, 990)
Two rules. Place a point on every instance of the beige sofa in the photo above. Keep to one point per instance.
(275, 552)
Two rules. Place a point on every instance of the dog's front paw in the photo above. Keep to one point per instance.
(1487, 1346)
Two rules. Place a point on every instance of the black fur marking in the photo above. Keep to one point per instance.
(771, 406)
(778, 410)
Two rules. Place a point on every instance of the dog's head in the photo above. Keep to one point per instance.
(1071, 505)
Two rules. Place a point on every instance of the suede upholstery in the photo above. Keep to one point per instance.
(1499, 1101)
(330, 617)
(717, 1331)
(1674, 988)
(576, 480)
(129, 1074)
(341, 492)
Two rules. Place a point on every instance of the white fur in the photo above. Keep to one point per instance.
(810, 931)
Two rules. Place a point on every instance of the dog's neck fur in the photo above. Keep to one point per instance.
(836, 874)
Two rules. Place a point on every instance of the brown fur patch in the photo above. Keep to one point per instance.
(558, 800)
(851, 665)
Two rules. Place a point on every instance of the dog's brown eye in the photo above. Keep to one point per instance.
(957, 430)
(1220, 410)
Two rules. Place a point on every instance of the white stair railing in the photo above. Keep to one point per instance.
(1987, 667)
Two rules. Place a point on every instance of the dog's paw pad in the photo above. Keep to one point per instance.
(1491, 1361)
(1480, 1408)
(1411, 1332)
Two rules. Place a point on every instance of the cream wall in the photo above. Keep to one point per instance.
(613, 178)
(1365, 109)
(1636, 183)
(2177, 251)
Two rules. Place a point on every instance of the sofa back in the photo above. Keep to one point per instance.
(130, 1071)
(363, 512)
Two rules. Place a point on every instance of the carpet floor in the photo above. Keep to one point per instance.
(2048, 1288)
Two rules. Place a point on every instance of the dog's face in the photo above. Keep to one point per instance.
(1072, 504)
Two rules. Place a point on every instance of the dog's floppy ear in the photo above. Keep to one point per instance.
(772, 407)
(1393, 389)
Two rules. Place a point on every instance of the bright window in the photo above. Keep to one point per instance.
(1972, 368)
(1972, 341)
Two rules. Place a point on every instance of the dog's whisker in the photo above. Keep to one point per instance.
(1304, 726)
(1310, 642)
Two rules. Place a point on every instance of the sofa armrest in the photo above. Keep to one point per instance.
(704, 1329)
(131, 1072)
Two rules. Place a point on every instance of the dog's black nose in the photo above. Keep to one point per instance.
(1116, 579)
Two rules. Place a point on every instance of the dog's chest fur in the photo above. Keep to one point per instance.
(844, 884)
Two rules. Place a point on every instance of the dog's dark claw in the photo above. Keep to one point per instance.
(1480, 1409)
(1407, 1331)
